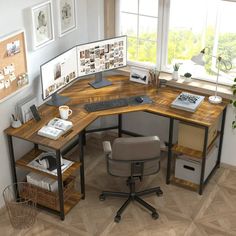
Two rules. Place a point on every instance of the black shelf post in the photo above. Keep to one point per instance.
(81, 156)
(221, 137)
(171, 125)
(204, 156)
(12, 159)
(60, 184)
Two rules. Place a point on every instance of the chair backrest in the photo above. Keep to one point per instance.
(136, 156)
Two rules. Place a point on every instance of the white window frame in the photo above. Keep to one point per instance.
(162, 38)
(160, 30)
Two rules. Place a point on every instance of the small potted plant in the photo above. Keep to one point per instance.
(188, 77)
(175, 74)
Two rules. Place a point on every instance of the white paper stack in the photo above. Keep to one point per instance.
(42, 181)
(23, 108)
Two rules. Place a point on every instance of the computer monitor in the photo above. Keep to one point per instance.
(99, 56)
(56, 74)
(82, 60)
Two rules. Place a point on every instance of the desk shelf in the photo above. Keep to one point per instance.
(74, 198)
(178, 149)
(185, 184)
(27, 158)
(50, 200)
(71, 202)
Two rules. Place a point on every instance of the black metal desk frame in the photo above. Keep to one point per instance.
(202, 183)
(61, 213)
(82, 142)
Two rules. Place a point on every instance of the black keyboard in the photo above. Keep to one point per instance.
(104, 105)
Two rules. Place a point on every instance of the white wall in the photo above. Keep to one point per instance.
(95, 21)
(15, 15)
(229, 143)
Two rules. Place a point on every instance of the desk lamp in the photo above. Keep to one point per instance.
(198, 59)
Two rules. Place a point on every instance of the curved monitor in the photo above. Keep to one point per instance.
(100, 56)
(82, 60)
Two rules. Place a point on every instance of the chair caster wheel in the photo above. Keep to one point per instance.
(159, 193)
(155, 215)
(102, 197)
(117, 218)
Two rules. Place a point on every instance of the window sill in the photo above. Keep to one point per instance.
(195, 85)
(198, 86)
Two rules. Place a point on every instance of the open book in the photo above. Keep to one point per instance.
(187, 101)
(55, 128)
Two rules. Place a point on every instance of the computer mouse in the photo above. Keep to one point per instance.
(139, 99)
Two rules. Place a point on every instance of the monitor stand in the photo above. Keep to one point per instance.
(99, 81)
(57, 100)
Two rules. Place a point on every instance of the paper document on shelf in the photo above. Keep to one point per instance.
(64, 166)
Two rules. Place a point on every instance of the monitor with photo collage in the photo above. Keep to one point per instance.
(104, 55)
(79, 61)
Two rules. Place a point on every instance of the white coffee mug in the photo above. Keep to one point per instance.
(65, 112)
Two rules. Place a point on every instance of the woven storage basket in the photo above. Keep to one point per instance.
(51, 199)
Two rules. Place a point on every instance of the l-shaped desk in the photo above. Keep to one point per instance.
(80, 93)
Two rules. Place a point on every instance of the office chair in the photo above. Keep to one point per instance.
(133, 158)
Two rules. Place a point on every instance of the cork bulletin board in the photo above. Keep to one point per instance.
(13, 65)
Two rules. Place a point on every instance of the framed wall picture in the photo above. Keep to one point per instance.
(139, 75)
(67, 16)
(42, 24)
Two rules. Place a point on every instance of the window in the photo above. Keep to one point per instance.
(139, 22)
(163, 32)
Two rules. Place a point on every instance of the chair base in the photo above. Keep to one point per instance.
(133, 196)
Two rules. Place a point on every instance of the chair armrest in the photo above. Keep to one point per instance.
(107, 147)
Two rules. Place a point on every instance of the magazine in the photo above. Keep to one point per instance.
(65, 164)
(187, 101)
(55, 128)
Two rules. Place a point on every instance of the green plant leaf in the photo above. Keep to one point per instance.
(234, 103)
(231, 101)
(234, 79)
(234, 124)
(234, 92)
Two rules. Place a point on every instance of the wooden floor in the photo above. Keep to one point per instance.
(182, 212)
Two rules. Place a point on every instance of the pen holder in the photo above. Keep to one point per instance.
(16, 123)
(154, 77)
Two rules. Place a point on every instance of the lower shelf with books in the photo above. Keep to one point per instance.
(30, 156)
(51, 199)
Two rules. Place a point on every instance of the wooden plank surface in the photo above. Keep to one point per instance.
(81, 92)
(185, 184)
